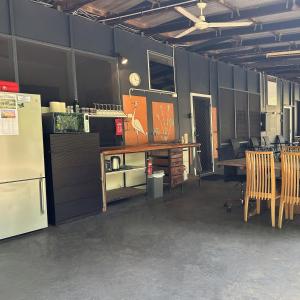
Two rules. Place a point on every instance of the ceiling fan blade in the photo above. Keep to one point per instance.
(186, 32)
(186, 13)
(229, 24)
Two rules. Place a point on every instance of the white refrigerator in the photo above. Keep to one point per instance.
(23, 206)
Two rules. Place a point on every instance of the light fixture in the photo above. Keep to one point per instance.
(124, 60)
(282, 53)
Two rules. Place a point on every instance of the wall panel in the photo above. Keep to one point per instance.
(253, 82)
(4, 17)
(199, 69)
(92, 37)
(36, 22)
(225, 73)
(240, 79)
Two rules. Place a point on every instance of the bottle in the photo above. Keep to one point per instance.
(149, 166)
(76, 106)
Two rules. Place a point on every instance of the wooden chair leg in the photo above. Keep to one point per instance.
(286, 211)
(291, 212)
(280, 216)
(258, 206)
(246, 206)
(273, 218)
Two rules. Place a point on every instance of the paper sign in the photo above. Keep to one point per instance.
(23, 99)
(9, 124)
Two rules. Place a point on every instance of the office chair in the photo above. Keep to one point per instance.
(233, 176)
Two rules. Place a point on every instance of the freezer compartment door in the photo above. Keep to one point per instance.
(23, 207)
(22, 156)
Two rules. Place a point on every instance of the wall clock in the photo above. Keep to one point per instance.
(135, 79)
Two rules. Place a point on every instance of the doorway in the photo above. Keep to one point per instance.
(202, 129)
(287, 124)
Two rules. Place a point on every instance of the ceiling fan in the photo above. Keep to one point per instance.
(200, 22)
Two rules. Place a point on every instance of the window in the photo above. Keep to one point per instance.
(241, 111)
(227, 117)
(97, 80)
(161, 72)
(45, 70)
(272, 90)
(6, 60)
(297, 118)
(254, 113)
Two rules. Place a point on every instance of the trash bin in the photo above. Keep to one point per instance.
(155, 185)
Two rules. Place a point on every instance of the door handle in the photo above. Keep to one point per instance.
(42, 204)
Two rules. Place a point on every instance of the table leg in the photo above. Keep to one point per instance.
(103, 182)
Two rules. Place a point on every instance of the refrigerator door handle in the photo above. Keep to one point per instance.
(42, 196)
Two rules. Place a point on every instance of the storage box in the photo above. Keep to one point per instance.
(9, 86)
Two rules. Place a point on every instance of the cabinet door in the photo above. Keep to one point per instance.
(23, 207)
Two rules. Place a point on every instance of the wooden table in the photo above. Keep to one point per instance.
(122, 150)
(240, 163)
(231, 166)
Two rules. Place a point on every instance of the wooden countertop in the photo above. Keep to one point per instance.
(144, 148)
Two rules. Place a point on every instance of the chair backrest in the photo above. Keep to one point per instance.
(291, 148)
(267, 141)
(235, 144)
(260, 171)
(290, 174)
(280, 139)
(254, 143)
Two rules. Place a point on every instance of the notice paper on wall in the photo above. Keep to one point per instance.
(9, 123)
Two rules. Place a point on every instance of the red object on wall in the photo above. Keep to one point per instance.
(119, 127)
(9, 86)
(149, 166)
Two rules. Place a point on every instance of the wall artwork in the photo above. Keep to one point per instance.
(163, 121)
(215, 131)
(136, 124)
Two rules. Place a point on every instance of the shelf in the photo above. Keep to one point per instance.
(109, 114)
(125, 170)
(124, 193)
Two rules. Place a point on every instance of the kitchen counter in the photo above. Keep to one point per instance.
(126, 192)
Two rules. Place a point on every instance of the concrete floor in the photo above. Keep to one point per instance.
(183, 247)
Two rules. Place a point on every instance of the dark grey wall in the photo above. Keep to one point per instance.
(38, 23)
(194, 73)
(91, 37)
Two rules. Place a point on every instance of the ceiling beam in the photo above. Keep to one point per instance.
(260, 58)
(278, 69)
(248, 13)
(239, 43)
(284, 62)
(270, 27)
(145, 8)
(254, 50)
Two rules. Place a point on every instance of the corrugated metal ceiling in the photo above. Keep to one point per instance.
(164, 25)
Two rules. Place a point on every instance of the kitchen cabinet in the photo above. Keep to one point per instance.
(72, 176)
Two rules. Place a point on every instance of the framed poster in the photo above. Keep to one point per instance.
(163, 121)
(136, 123)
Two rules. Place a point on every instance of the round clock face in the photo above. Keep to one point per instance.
(135, 79)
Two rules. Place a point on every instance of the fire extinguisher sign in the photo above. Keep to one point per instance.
(119, 127)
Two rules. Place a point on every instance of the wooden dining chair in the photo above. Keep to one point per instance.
(261, 181)
(290, 184)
